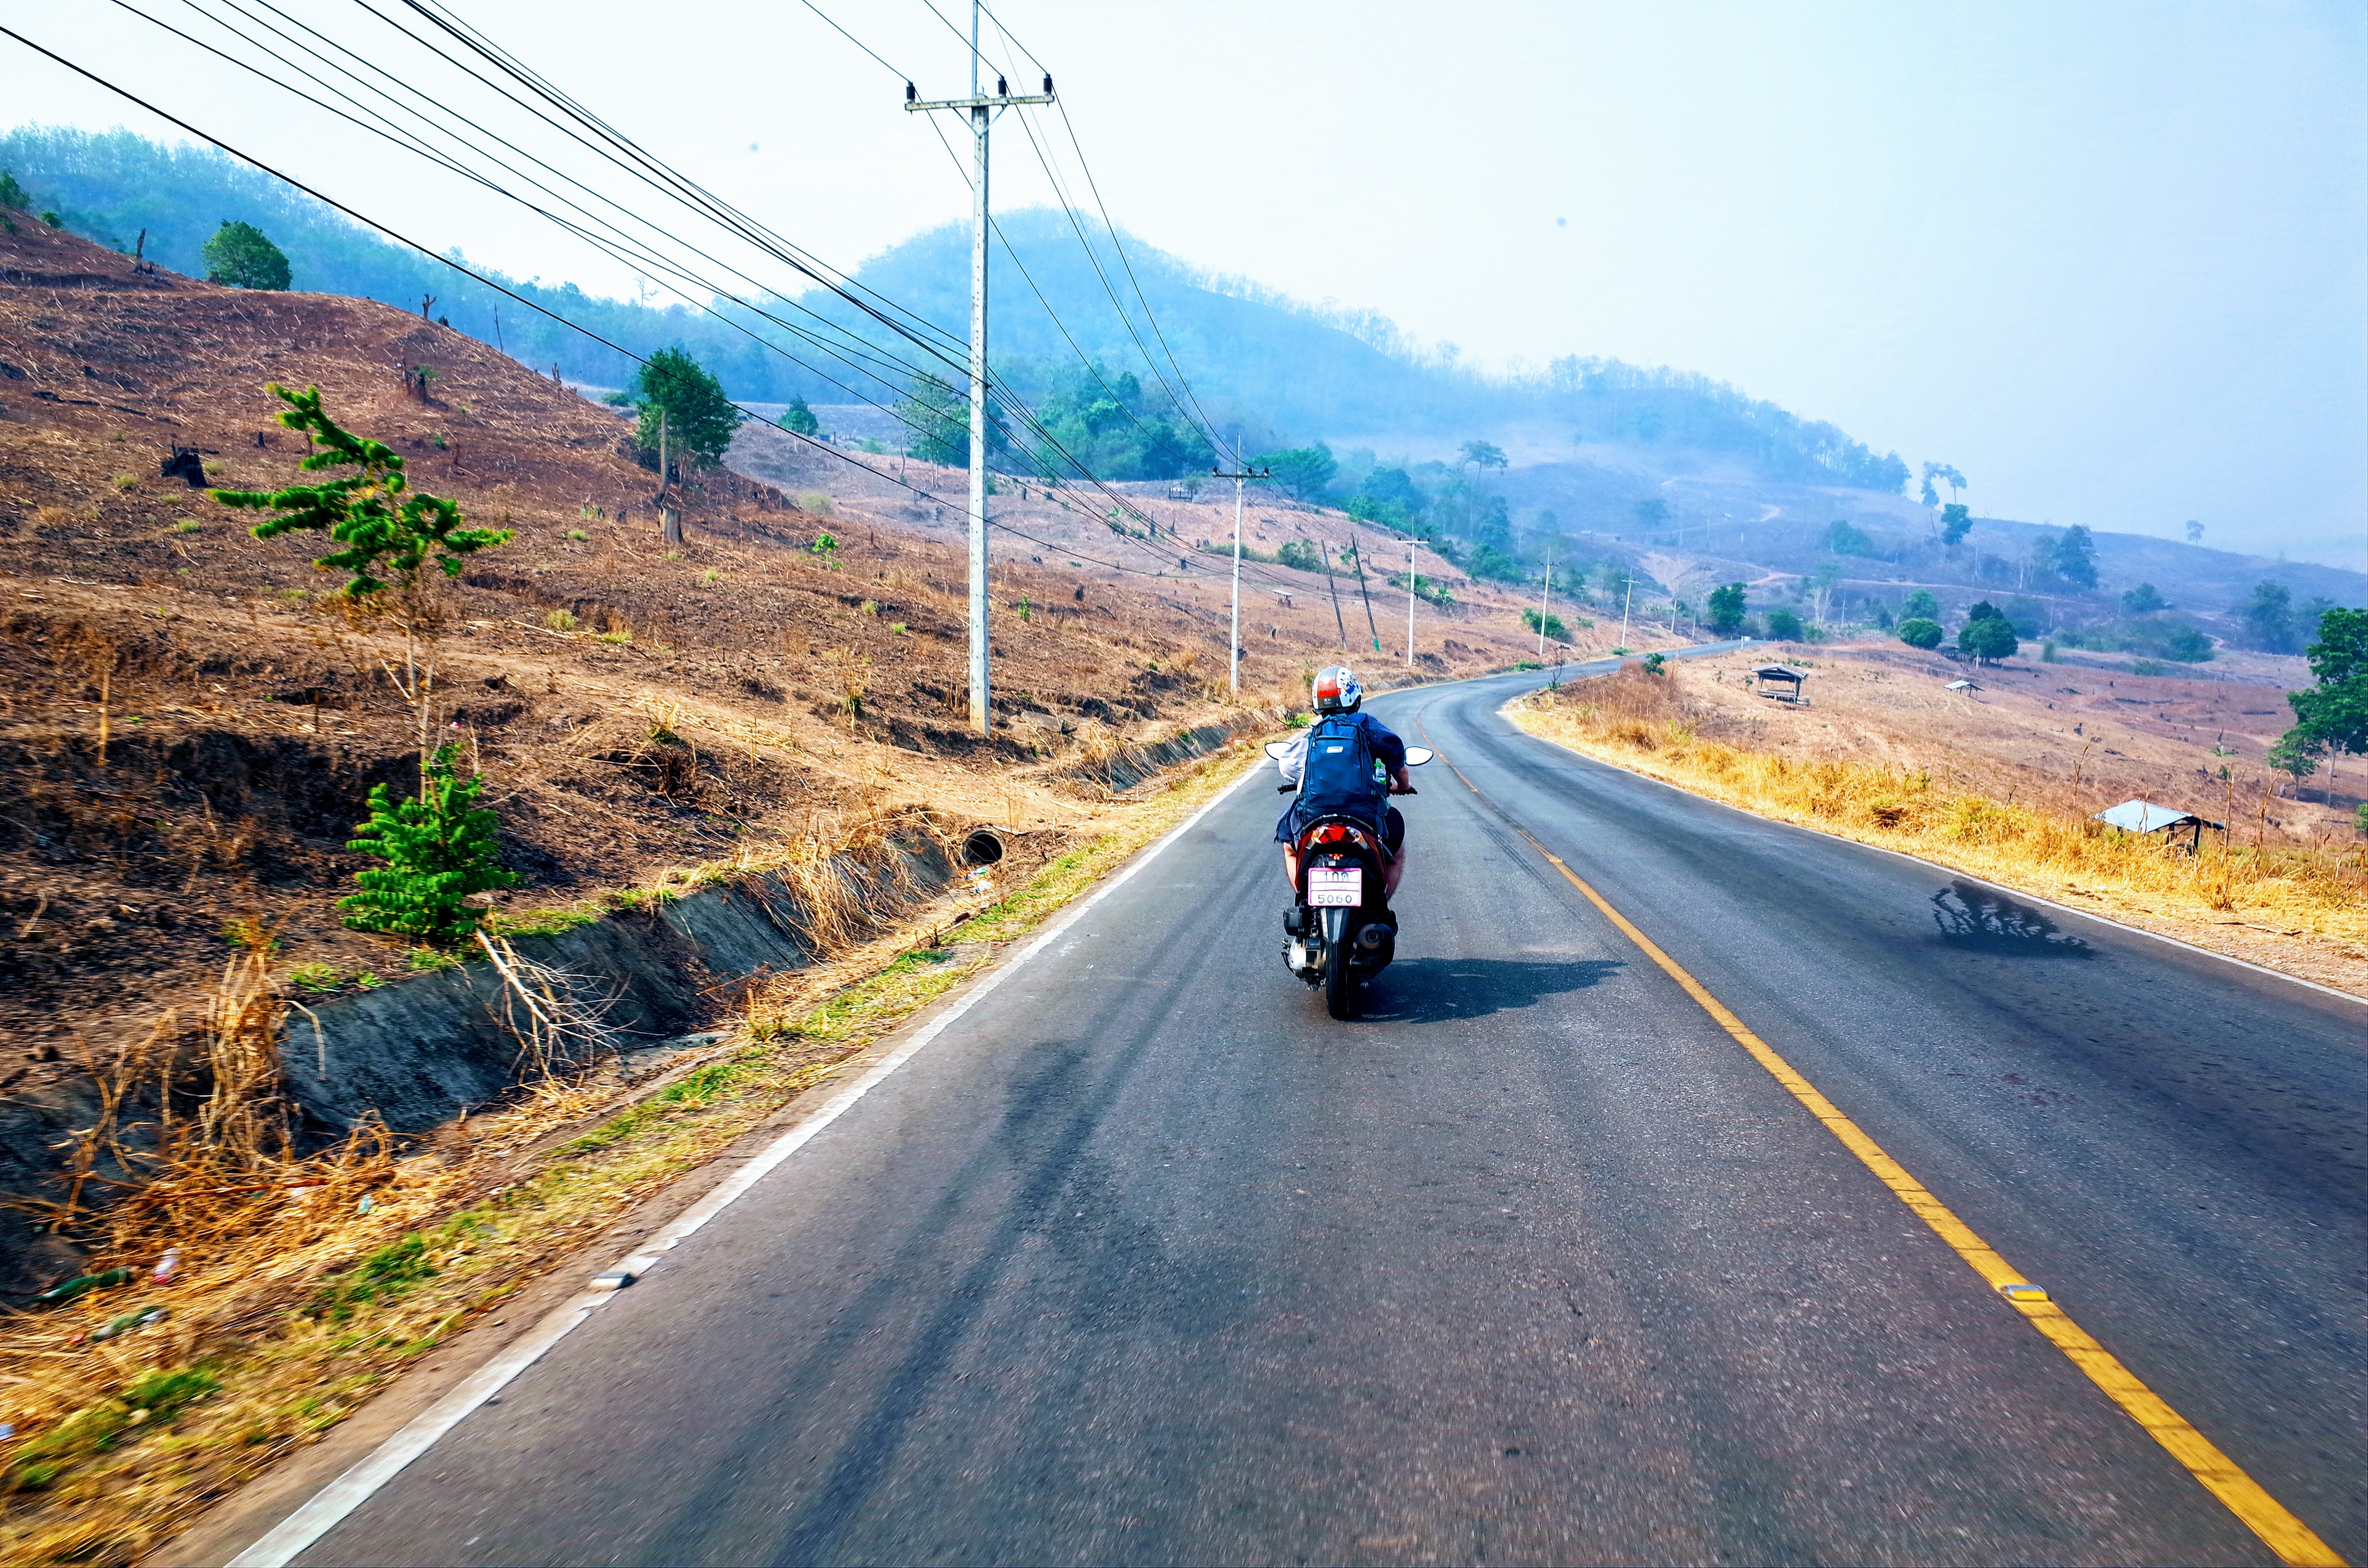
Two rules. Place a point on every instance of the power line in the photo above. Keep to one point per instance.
(532, 305)
(641, 252)
(640, 255)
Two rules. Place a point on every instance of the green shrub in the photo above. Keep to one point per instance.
(1918, 633)
(559, 621)
(439, 852)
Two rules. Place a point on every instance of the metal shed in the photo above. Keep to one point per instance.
(2146, 816)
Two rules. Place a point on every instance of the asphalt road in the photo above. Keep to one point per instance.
(1145, 1260)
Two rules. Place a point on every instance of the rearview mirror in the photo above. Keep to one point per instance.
(1417, 756)
(1278, 749)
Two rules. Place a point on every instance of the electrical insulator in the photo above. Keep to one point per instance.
(910, 95)
(1048, 86)
(1002, 88)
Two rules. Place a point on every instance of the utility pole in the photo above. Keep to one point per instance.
(982, 110)
(1333, 584)
(1364, 592)
(1545, 597)
(1240, 476)
(1410, 582)
(1625, 600)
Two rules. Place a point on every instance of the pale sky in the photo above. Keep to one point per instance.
(2108, 259)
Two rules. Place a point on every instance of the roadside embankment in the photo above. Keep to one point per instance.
(247, 1296)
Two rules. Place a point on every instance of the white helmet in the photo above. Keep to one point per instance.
(1336, 690)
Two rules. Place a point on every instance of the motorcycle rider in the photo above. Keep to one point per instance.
(1338, 700)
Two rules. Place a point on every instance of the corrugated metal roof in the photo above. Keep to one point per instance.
(2146, 816)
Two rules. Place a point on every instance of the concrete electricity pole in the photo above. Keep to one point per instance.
(1234, 648)
(1545, 597)
(982, 110)
(1410, 582)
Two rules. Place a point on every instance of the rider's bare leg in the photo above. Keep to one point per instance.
(1291, 867)
(1390, 876)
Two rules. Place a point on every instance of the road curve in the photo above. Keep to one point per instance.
(1145, 1260)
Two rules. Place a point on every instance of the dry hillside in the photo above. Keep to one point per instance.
(189, 727)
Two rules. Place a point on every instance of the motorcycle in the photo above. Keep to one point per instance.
(1338, 932)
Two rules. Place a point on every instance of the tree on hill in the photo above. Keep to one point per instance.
(1956, 522)
(1784, 626)
(1917, 632)
(1946, 475)
(1483, 454)
(1303, 472)
(938, 417)
(2144, 599)
(368, 512)
(2268, 615)
(1652, 512)
(1844, 539)
(13, 195)
(2074, 557)
(1723, 609)
(2194, 531)
(1988, 636)
(1920, 605)
(698, 418)
(799, 420)
(2332, 715)
(240, 257)
(1112, 426)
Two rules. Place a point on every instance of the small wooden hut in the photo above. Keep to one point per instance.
(1783, 676)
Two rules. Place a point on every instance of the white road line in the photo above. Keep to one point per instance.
(328, 1507)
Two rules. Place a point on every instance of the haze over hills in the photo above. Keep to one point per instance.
(1252, 361)
(1597, 458)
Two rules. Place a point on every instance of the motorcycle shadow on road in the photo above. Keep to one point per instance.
(1439, 991)
(1985, 921)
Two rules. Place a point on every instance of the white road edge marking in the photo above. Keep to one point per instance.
(328, 1506)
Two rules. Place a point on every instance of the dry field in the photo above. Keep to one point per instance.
(2004, 782)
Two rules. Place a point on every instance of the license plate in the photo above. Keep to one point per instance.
(1336, 887)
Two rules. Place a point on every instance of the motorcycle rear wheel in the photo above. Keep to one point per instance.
(1340, 997)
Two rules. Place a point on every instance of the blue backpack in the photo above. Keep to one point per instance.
(1342, 776)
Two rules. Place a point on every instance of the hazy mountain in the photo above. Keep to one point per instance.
(1238, 358)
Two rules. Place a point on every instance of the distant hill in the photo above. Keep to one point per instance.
(1251, 361)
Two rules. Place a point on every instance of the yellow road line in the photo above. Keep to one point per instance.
(2293, 1541)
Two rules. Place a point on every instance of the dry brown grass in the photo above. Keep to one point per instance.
(2310, 902)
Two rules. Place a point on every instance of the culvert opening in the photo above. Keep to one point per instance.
(983, 849)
